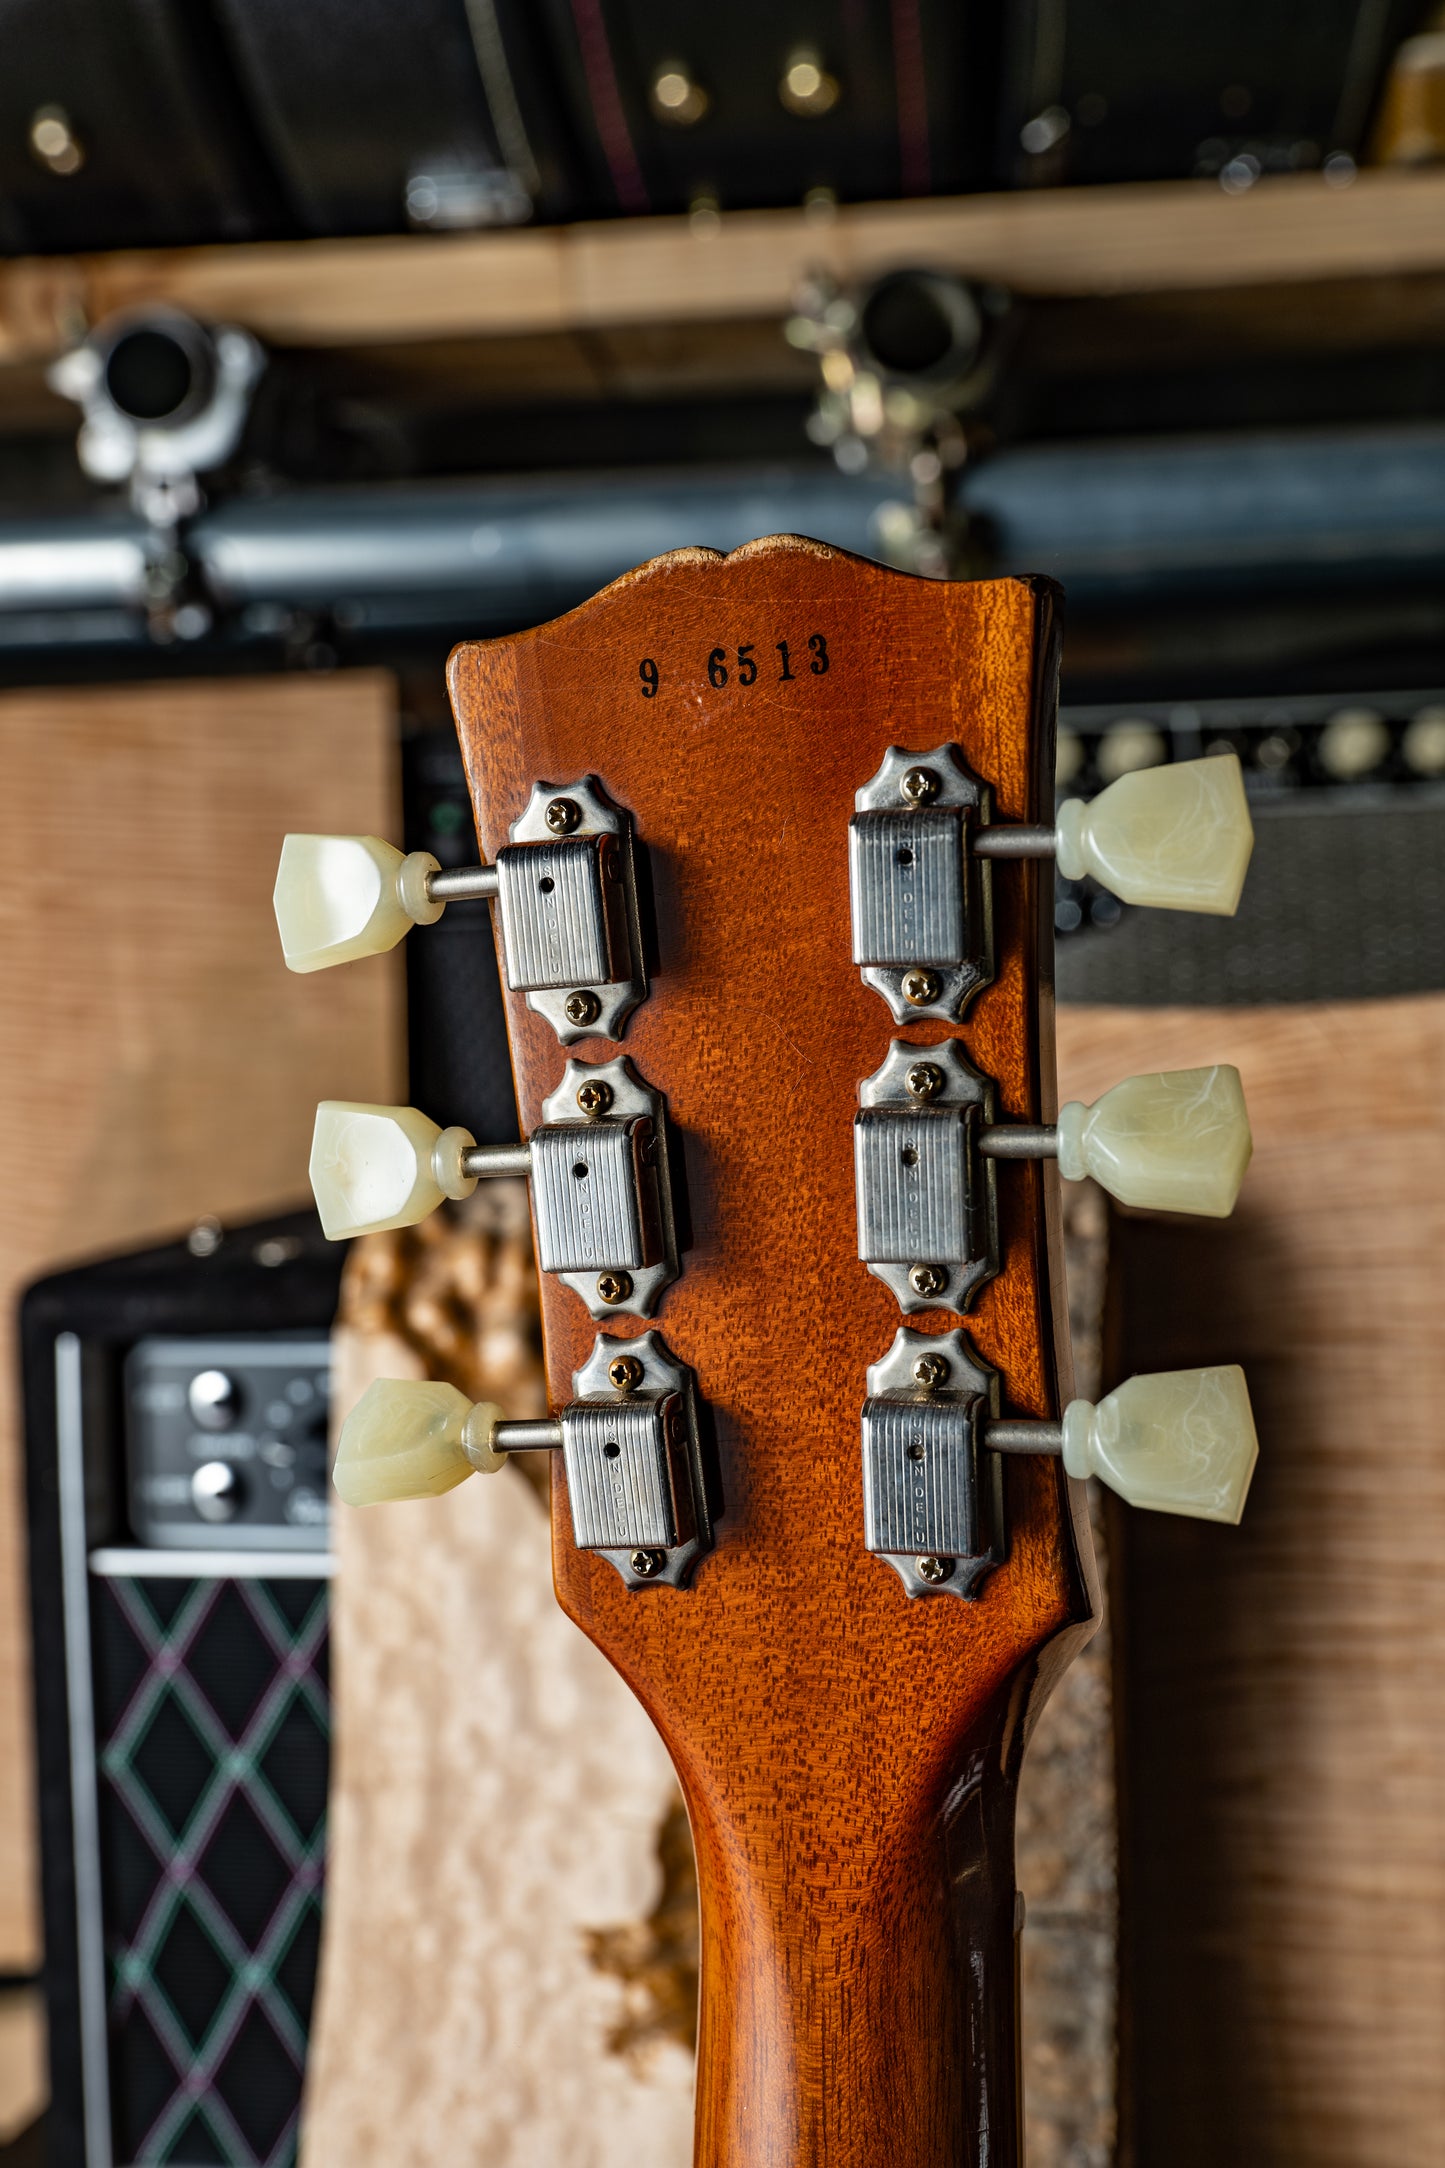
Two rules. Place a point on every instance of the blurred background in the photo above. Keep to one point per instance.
(330, 335)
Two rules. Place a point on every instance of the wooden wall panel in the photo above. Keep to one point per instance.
(1283, 1684)
(157, 1060)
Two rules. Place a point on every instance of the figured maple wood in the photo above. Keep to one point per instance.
(848, 1756)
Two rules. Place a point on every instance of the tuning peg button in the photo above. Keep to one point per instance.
(340, 897)
(1176, 1142)
(1180, 1441)
(1177, 837)
(408, 1439)
(379, 1167)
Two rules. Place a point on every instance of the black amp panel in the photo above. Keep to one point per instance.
(175, 1417)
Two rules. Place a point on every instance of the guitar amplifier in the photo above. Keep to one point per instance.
(176, 1406)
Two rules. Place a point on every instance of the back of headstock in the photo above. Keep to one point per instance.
(819, 1719)
(847, 1726)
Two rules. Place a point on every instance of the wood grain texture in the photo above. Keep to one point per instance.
(157, 1059)
(1135, 238)
(496, 1791)
(848, 1757)
(1284, 1682)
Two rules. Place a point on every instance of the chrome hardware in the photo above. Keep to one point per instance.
(631, 1444)
(602, 1191)
(932, 1504)
(636, 1480)
(601, 1184)
(927, 1210)
(922, 901)
(567, 891)
(922, 843)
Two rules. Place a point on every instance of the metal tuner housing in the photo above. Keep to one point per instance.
(922, 900)
(932, 1496)
(927, 1199)
(567, 899)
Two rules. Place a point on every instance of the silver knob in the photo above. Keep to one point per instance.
(215, 1399)
(216, 1491)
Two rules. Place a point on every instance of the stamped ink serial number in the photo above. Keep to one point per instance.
(739, 665)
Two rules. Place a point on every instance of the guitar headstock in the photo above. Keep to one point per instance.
(734, 708)
(784, 819)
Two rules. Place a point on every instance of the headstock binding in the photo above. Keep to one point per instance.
(848, 1755)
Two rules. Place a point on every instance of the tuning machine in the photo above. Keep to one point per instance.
(1177, 1441)
(926, 1139)
(921, 846)
(565, 888)
(599, 1169)
(630, 1442)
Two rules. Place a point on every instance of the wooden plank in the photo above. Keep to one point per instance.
(1284, 1683)
(157, 1060)
(1137, 238)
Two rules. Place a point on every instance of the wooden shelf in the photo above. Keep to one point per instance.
(1176, 237)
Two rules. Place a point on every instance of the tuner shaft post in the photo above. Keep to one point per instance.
(491, 1162)
(1020, 1140)
(542, 1436)
(459, 884)
(1015, 840)
(1024, 1437)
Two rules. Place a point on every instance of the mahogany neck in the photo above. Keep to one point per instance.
(860, 2009)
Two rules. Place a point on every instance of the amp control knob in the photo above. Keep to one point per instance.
(216, 1491)
(214, 1399)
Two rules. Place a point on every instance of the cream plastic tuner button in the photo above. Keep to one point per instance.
(1177, 1142)
(339, 897)
(406, 1439)
(1180, 1441)
(379, 1167)
(1177, 837)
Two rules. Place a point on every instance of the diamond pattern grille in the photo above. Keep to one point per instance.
(213, 1714)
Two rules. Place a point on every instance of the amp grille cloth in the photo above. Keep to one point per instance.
(213, 1715)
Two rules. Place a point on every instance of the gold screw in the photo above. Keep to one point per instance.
(677, 97)
(594, 1097)
(614, 1287)
(807, 88)
(625, 1373)
(930, 1370)
(921, 988)
(924, 1080)
(646, 1564)
(582, 1008)
(918, 786)
(927, 1279)
(562, 816)
(935, 1569)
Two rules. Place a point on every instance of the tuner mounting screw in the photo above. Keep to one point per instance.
(582, 1008)
(562, 816)
(918, 786)
(930, 1370)
(924, 1080)
(921, 988)
(614, 1287)
(594, 1098)
(935, 1569)
(647, 1565)
(624, 1373)
(927, 1279)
